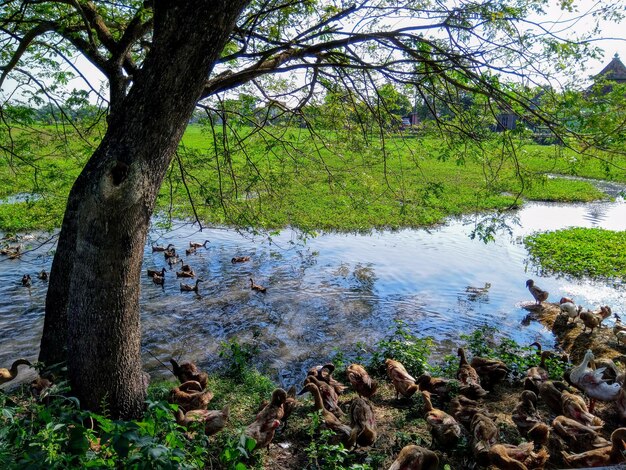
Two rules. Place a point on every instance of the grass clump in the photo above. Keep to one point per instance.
(580, 252)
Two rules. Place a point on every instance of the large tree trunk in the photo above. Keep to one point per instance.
(93, 298)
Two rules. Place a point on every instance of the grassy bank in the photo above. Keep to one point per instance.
(287, 177)
(589, 252)
(54, 433)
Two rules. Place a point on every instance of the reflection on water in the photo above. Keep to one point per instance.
(337, 290)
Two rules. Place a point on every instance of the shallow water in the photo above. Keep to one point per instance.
(334, 291)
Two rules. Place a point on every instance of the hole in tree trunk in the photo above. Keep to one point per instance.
(119, 172)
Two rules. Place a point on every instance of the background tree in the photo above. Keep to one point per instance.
(161, 58)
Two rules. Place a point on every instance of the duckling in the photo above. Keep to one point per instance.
(600, 457)
(264, 426)
(198, 245)
(239, 259)
(569, 308)
(325, 374)
(520, 457)
(6, 375)
(414, 457)
(152, 273)
(590, 320)
(490, 371)
(189, 371)
(343, 431)
(578, 436)
(443, 427)
(363, 422)
(158, 280)
(189, 287)
(26, 280)
(402, 381)
(484, 435)
(540, 295)
(213, 420)
(591, 381)
(329, 395)
(190, 251)
(190, 396)
(185, 273)
(360, 380)
(257, 287)
(525, 415)
(574, 407)
(468, 376)
(43, 275)
(161, 248)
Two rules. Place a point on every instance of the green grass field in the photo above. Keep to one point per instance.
(279, 177)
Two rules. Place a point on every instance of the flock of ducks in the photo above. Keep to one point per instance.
(158, 276)
(591, 319)
(574, 432)
(186, 271)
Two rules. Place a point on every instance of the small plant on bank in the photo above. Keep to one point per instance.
(402, 345)
(238, 356)
(580, 252)
(323, 454)
(236, 450)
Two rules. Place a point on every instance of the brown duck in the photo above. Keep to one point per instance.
(540, 295)
(190, 396)
(343, 431)
(363, 422)
(600, 457)
(444, 428)
(6, 375)
(213, 421)
(361, 381)
(325, 374)
(189, 371)
(264, 426)
(414, 457)
(403, 382)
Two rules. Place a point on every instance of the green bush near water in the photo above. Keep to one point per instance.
(580, 252)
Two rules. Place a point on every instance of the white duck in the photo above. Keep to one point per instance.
(569, 308)
(591, 382)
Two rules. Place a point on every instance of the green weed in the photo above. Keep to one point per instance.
(580, 252)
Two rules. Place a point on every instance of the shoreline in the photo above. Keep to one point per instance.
(569, 335)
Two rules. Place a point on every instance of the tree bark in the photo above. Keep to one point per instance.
(92, 305)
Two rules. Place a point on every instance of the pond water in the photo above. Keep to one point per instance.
(335, 290)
